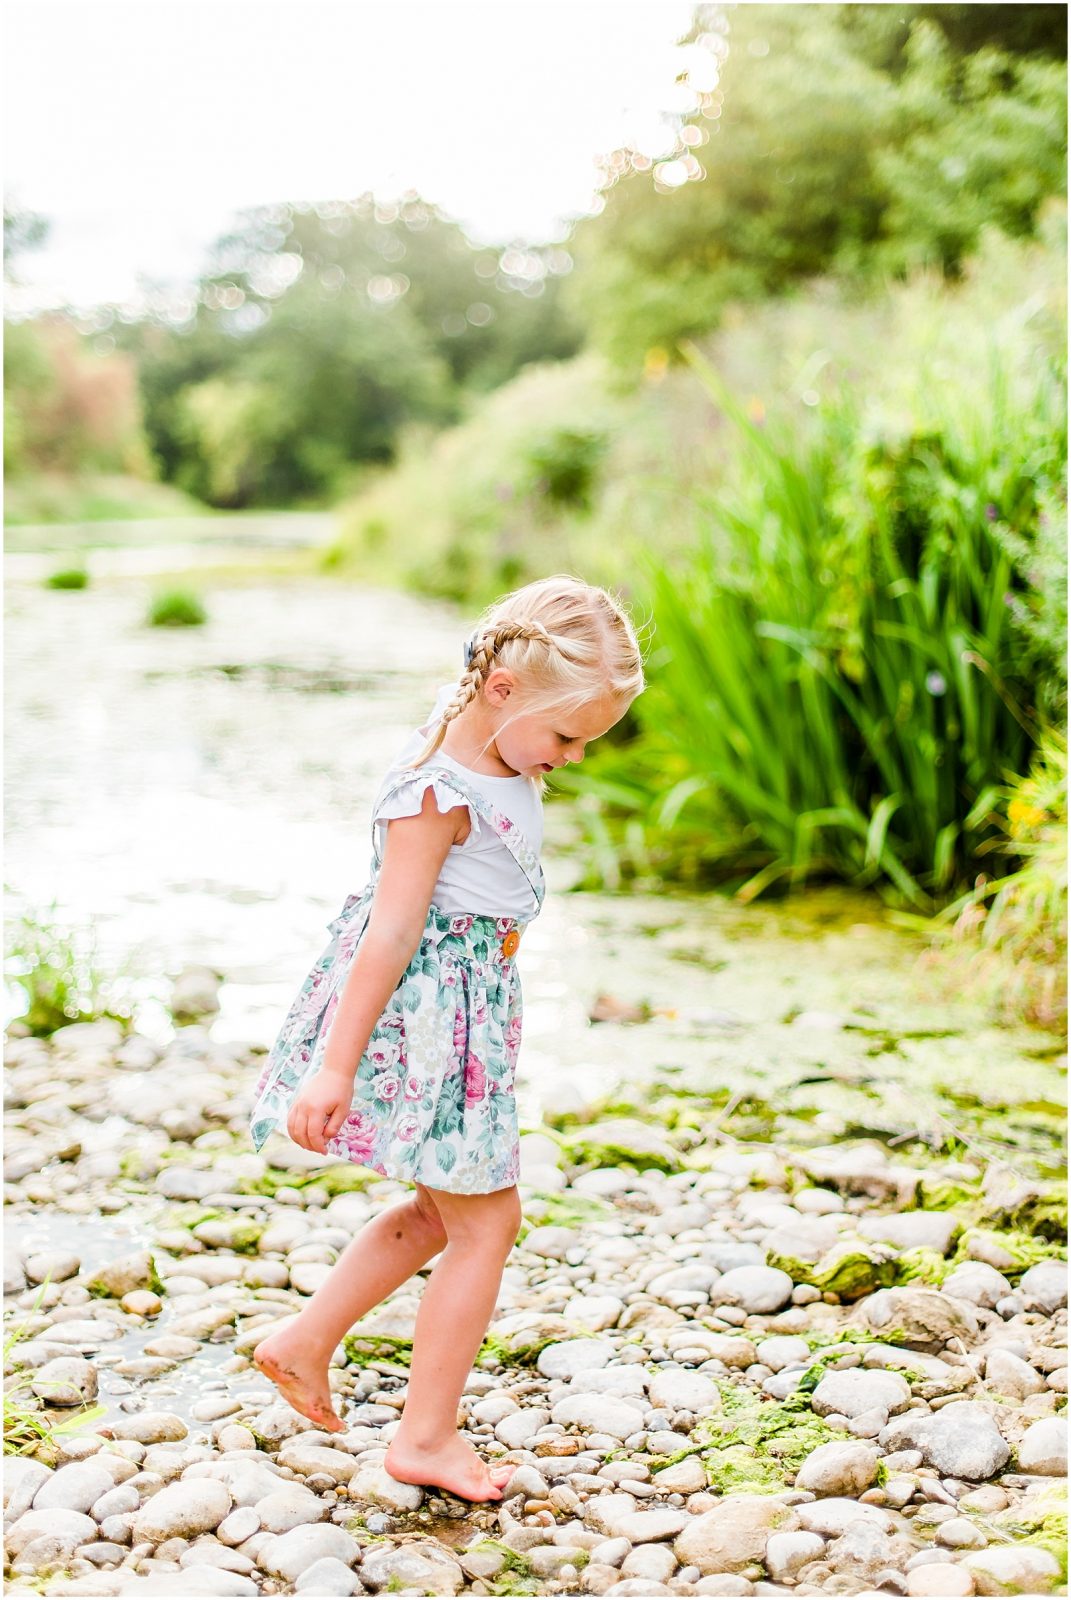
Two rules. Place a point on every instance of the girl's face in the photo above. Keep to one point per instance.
(541, 741)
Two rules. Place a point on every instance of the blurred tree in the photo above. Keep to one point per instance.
(783, 179)
(321, 329)
(810, 156)
(881, 32)
(979, 138)
(482, 310)
(321, 384)
(67, 407)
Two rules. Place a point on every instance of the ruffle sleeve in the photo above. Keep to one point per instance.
(407, 801)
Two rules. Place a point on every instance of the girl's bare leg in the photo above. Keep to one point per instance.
(387, 1251)
(456, 1307)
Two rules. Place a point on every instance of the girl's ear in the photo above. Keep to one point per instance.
(498, 683)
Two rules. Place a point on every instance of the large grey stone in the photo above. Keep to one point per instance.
(733, 1535)
(786, 1553)
(1012, 1569)
(924, 1316)
(182, 1509)
(757, 1289)
(838, 1469)
(1009, 1374)
(1043, 1448)
(1044, 1287)
(961, 1440)
(412, 1566)
(72, 1527)
(76, 1487)
(911, 1230)
(598, 1413)
(856, 1390)
(977, 1282)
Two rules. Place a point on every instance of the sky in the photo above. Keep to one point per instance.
(139, 127)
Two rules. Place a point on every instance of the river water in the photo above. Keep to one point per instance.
(202, 794)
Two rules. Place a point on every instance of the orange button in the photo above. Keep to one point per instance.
(510, 943)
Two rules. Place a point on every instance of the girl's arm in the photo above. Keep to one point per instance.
(413, 853)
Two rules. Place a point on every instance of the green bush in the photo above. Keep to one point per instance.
(563, 465)
(176, 608)
(57, 970)
(68, 578)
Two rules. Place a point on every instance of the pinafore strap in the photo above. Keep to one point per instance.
(512, 837)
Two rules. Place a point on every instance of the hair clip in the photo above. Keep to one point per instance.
(469, 647)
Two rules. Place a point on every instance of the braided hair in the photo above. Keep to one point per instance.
(566, 641)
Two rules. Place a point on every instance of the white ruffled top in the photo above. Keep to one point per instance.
(480, 874)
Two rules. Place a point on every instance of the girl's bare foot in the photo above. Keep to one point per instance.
(301, 1380)
(454, 1466)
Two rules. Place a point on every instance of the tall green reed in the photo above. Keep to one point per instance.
(841, 661)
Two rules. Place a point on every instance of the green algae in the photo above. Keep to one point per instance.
(364, 1349)
(190, 1214)
(565, 1210)
(1025, 1250)
(850, 1270)
(849, 1336)
(585, 1150)
(1040, 1521)
(518, 1575)
(737, 1470)
(922, 1266)
(342, 1177)
(497, 1352)
(244, 1237)
(944, 1194)
(752, 1446)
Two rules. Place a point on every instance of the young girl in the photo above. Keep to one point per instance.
(400, 1050)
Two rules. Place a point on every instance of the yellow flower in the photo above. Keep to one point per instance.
(655, 363)
(1023, 817)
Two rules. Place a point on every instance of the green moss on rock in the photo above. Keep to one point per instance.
(1023, 1249)
(852, 1269)
(753, 1445)
(625, 1141)
(363, 1348)
(922, 1266)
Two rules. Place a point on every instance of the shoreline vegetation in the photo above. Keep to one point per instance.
(913, 444)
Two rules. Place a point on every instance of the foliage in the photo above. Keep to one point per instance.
(881, 157)
(861, 646)
(68, 578)
(89, 497)
(58, 970)
(564, 463)
(1011, 930)
(176, 608)
(26, 1431)
(320, 333)
(67, 407)
(978, 140)
(482, 506)
(23, 230)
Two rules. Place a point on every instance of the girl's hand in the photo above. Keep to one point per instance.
(320, 1108)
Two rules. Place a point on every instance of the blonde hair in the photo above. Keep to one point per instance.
(566, 641)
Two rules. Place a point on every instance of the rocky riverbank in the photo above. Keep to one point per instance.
(741, 1348)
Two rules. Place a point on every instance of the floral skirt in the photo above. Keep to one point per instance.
(433, 1096)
